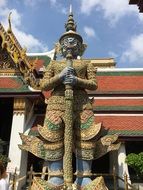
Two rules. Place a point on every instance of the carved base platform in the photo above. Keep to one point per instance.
(97, 184)
(39, 184)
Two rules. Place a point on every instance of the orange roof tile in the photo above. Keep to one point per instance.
(119, 83)
(121, 122)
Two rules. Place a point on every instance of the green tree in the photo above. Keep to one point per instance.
(3, 158)
(135, 161)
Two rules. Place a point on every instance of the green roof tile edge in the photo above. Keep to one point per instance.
(120, 73)
(126, 132)
(118, 108)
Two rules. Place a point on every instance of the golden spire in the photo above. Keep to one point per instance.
(70, 25)
(70, 8)
(9, 21)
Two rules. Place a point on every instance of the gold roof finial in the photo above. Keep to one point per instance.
(9, 21)
(70, 9)
(70, 25)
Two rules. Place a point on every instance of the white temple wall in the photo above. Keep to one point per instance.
(19, 123)
(122, 165)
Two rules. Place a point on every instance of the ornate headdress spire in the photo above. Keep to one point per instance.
(71, 41)
(70, 8)
(70, 25)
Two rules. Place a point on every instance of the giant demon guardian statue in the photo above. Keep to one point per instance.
(69, 125)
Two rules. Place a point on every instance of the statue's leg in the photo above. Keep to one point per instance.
(84, 146)
(55, 170)
(83, 171)
(52, 132)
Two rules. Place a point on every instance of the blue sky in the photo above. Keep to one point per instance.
(110, 28)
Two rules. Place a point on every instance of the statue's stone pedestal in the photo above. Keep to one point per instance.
(97, 184)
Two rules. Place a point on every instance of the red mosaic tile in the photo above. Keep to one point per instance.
(9, 83)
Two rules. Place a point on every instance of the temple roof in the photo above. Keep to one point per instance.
(40, 61)
(119, 81)
(123, 125)
(13, 84)
(118, 105)
(14, 57)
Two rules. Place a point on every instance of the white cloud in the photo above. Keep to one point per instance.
(88, 6)
(58, 6)
(2, 3)
(113, 9)
(33, 3)
(134, 54)
(30, 42)
(54, 3)
(26, 40)
(89, 31)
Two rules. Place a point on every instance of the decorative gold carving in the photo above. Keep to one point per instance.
(9, 21)
(88, 151)
(85, 144)
(18, 56)
(52, 136)
(10, 72)
(97, 184)
(83, 173)
(68, 137)
(53, 146)
(90, 132)
(57, 48)
(85, 154)
(42, 149)
(55, 173)
(6, 62)
(19, 105)
(109, 139)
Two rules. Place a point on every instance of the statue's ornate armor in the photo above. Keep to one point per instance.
(87, 143)
(83, 117)
(69, 124)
